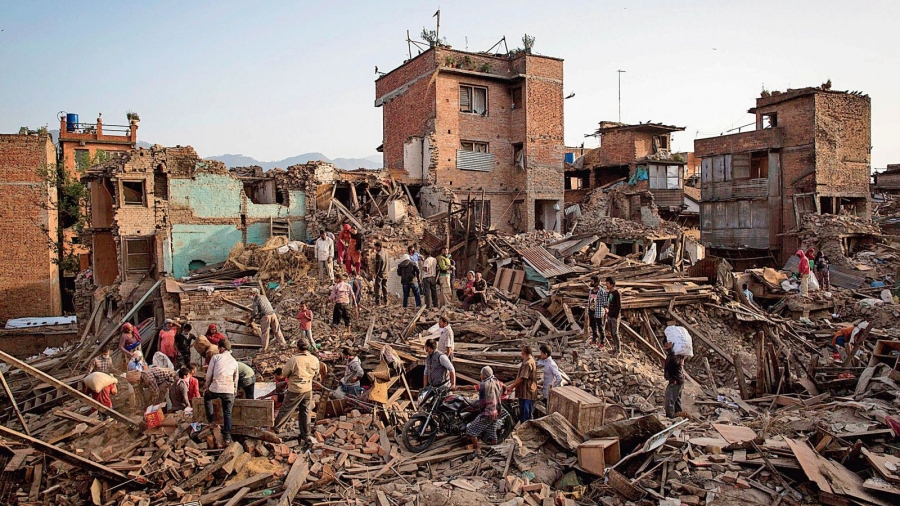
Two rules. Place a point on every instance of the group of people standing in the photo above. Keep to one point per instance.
(604, 308)
(811, 262)
(346, 249)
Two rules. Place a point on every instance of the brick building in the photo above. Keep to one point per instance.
(165, 211)
(887, 181)
(640, 154)
(29, 279)
(467, 123)
(810, 153)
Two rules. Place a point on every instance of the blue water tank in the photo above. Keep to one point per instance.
(570, 157)
(71, 122)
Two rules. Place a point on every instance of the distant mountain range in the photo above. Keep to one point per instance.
(369, 162)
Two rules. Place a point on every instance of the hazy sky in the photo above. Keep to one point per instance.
(276, 79)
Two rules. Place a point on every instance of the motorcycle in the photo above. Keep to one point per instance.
(443, 413)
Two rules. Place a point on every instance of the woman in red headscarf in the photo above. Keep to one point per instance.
(213, 334)
(129, 341)
(343, 242)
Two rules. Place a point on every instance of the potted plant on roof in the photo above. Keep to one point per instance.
(133, 117)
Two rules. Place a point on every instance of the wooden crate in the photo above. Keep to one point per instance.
(595, 454)
(246, 412)
(581, 409)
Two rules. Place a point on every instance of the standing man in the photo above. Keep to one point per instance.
(183, 341)
(381, 270)
(221, 383)
(409, 277)
(613, 313)
(674, 372)
(268, 320)
(305, 316)
(352, 373)
(445, 269)
(101, 363)
(598, 301)
(299, 371)
(803, 270)
(525, 385)
(552, 377)
(325, 257)
(446, 341)
(342, 296)
(439, 370)
(246, 380)
(429, 281)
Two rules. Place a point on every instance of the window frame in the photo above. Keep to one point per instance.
(657, 173)
(127, 253)
(470, 88)
(124, 202)
(516, 95)
(474, 144)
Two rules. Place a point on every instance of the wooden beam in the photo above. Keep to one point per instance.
(13, 401)
(235, 304)
(250, 482)
(295, 479)
(115, 330)
(60, 454)
(71, 392)
(708, 342)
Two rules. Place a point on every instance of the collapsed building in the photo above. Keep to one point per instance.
(809, 154)
(460, 124)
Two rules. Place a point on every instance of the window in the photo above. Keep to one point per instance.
(664, 177)
(661, 141)
(575, 183)
(133, 193)
(517, 98)
(759, 165)
(770, 120)
(473, 100)
(518, 156)
(476, 214)
(478, 147)
(138, 253)
(82, 159)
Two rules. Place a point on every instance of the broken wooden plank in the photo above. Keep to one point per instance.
(295, 479)
(236, 499)
(250, 483)
(63, 455)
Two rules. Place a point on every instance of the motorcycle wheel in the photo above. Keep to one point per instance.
(412, 429)
(506, 426)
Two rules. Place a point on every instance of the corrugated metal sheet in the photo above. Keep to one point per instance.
(544, 262)
(472, 160)
(841, 277)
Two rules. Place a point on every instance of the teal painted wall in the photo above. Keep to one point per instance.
(209, 243)
(219, 196)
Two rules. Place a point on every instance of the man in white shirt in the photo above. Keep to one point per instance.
(445, 337)
(552, 377)
(221, 383)
(325, 256)
(429, 281)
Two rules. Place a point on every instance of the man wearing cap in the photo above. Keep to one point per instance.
(300, 370)
(268, 320)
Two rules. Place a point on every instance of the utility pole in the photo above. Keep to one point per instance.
(437, 33)
(620, 72)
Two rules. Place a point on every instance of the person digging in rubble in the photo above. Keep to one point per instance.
(803, 271)
(183, 341)
(354, 250)
(598, 302)
(823, 271)
(167, 340)
(613, 313)
(156, 381)
(352, 373)
(357, 287)
(300, 370)
(843, 337)
(101, 363)
(343, 242)
(674, 373)
(342, 296)
(525, 385)
(129, 341)
(221, 383)
(429, 281)
(305, 317)
(485, 424)
(325, 257)
(380, 271)
(268, 320)
(552, 376)
(445, 271)
(246, 380)
(409, 278)
(477, 294)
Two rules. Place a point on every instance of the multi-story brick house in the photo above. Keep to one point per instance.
(641, 154)
(29, 279)
(475, 124)
(810, 153)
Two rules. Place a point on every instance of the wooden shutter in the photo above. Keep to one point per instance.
(465, 99)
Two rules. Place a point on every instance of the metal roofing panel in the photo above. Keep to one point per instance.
(544, 262)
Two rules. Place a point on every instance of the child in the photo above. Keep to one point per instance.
(305, 317)
(280, 389)
(193, 384)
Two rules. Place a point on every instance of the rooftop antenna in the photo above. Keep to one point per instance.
(409, 44)
(503, 40)
(437, 34)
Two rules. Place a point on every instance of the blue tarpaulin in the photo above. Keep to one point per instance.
(640, 174)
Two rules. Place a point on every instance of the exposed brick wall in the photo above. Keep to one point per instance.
(29, 279)
(843, 140)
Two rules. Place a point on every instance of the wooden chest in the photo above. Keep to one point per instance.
(595, 454)
(581, 409)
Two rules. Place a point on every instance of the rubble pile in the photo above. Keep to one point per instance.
(825, 233)
(277, 259)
